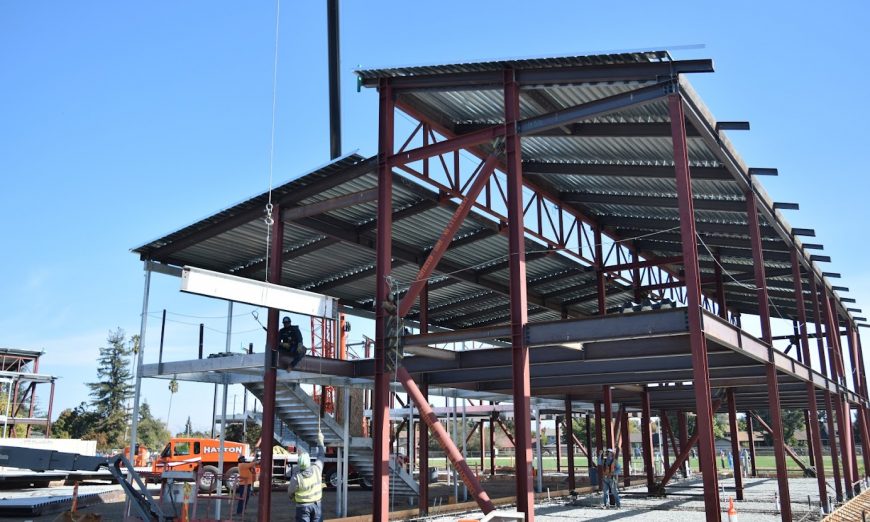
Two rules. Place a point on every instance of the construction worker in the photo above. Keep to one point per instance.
(290, 341)
(306, 484)
(611, 479)
(247, 476)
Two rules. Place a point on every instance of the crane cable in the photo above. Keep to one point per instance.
(269, 219)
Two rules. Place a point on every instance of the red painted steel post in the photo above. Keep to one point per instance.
(812, 413)
(829, 407)
(270, 372)
(700, 369)
(626, 449)
(450, 450)
(844, 420)
(646, 440)
(861, 385)
(772, 382)
(423, 452)
(601, 284)
(569, 441)
(381, 413)
(608, 416)
(753, 471)
(735, 444)
(518, 299)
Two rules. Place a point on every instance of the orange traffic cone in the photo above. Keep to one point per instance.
(732, 513)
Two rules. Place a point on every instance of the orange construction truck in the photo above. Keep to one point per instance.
(191, 454)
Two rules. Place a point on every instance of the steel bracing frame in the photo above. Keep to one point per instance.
(496, 187)
(666, 360)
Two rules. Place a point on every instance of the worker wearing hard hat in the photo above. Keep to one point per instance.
(306, 484)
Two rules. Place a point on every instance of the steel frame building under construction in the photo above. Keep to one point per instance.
(587, 221)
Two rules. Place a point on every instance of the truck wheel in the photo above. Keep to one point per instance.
(332, 479)
(232, 479)
(208, 481)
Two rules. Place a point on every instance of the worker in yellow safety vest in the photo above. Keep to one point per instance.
(306, 484)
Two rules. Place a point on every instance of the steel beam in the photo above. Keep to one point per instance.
(701, 374)
(270, 370)
(518, 295)
(600, 107)
(569, 438)
(628, 129)
(447, 235)
(423, 497)
(451, 451)
(717, 205)
(381, 416)
(534, 77)
(646, 440)
(621, 171)
(772, 382)
(813, 425)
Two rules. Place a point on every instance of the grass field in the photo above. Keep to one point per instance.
(762, 462)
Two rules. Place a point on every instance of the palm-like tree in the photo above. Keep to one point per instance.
(173, 389)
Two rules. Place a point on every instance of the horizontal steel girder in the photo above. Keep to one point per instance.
(536, 77)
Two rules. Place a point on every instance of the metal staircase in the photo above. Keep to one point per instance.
(299, 414)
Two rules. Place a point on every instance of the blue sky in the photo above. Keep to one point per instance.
(120, 122)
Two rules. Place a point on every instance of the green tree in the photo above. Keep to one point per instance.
(153, 433)
(75, 423)
(250, 436)
(792, 421)
(113, 388)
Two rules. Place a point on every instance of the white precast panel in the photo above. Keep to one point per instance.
(258, 293)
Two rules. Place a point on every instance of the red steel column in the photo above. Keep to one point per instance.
(646, 440)
(270, 372)
(829, 407)
(423, 452)
(751, 436)
(608, 416)
(427, 415)
(812, 412)
(626, 449)
(518, 299)
(700, 370)
(844, 420)
(772, 383)
(569, 439)
(735, 444)
(381, 413)
(862, 391)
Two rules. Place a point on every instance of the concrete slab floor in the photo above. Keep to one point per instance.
(686, 498)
